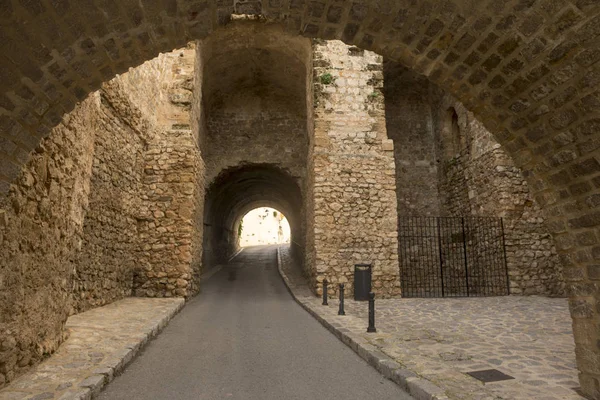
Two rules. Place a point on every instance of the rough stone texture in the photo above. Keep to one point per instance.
(476, 177)
(41, 232)
(100, 345)
(141, 225)
(528, 70)
(352, 168)
(238, 191)
(169, 220)
(440, 340)
(104, 185)
(254, 92)
(110, 248)
(143, 230)
(449, 164)
(409, 125)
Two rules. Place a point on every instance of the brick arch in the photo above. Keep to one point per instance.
(528, 70)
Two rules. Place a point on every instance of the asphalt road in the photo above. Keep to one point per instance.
(244, 337)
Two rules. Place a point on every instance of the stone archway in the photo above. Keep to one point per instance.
(529, 70)
(240, 189)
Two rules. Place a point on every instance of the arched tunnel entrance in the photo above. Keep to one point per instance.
(487, 61)
(238, 190)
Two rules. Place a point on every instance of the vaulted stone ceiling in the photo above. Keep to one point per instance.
(244, 59)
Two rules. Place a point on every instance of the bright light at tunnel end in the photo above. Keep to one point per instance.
(263, 226)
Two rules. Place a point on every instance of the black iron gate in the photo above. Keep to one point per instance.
(452, 257)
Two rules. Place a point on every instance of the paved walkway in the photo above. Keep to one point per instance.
(101, 342)
(529, 338)
(244, 337)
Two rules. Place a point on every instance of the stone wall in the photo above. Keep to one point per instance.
(133, 152)
(354, 209)
(257, 125)
(448, 164)
(121, 172)
(170, 221)
(260, 130)
(110, 251)
(155, 88)
(409, 125)
(254, 92)
(142, 231)
(41, 233)
(480, 179)
(169, 261)
(528, 69)
(197, 125)
(257, 130)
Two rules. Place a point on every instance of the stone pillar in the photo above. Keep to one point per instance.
(170, 222)
(352, 210)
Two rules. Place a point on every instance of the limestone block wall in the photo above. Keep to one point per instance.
(408, 123)
(480, 179)
(109, 253)
(122, 170)
(156, 85)
(258, 129)
(170, 265)
(353, 173)
(41, 233)
(140, 231)
(170, 222)
(196, 121)
(254, 98)
(448, 164)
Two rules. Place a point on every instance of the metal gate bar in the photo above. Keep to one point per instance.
(452, 257)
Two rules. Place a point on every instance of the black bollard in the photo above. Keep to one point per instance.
(341, 310)
(325, 292)
(371, 327)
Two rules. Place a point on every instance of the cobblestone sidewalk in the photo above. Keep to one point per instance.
(528, 338)
(102, 342)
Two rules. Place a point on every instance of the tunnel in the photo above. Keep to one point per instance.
(238, 190)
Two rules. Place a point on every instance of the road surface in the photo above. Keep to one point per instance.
(244, 337)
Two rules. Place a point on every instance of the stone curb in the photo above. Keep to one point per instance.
(417, 387)
(90, 387)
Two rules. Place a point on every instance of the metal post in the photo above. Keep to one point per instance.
(504, 253)
(441, 255)
(464, 236)
(325, 292)
(341, 310)
(371, 327)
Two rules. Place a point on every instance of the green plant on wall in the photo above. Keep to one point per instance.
(327, 79)
(374, 95)
(240, 228)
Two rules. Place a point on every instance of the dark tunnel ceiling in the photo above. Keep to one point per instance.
(236, 190)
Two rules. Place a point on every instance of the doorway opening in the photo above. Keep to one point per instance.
(263, 226)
